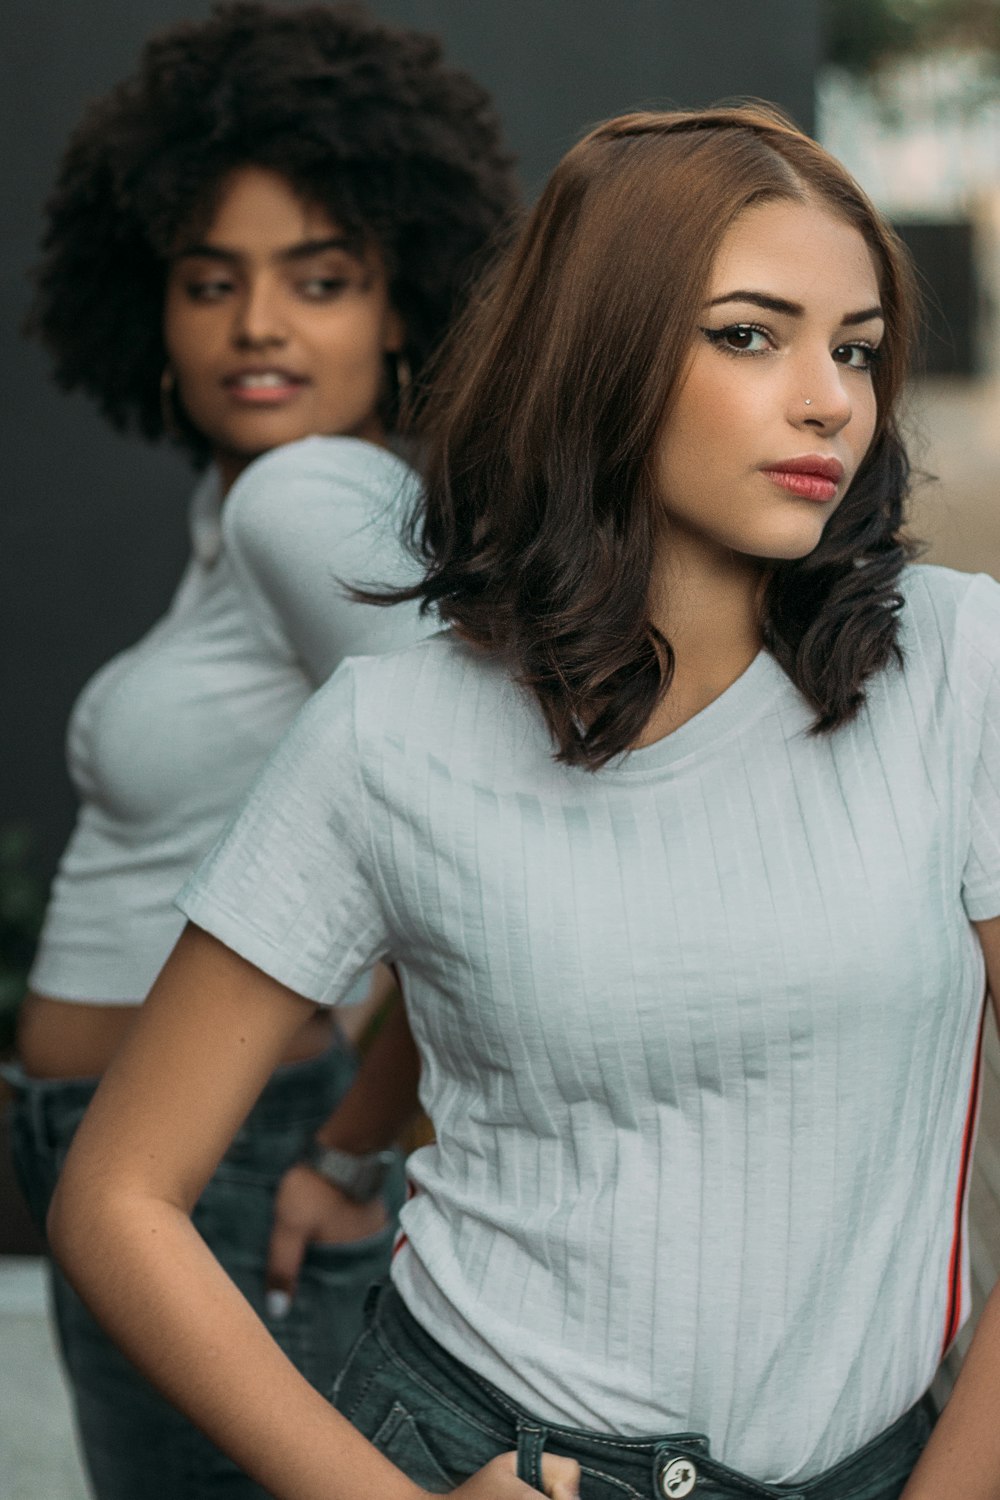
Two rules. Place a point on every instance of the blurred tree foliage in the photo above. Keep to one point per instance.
(864, 34)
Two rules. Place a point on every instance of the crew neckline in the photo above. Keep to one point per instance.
(746, 700)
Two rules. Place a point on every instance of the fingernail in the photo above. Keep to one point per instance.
(277, 1303)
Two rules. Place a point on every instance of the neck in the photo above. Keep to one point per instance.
(706, 602)
(229, 467)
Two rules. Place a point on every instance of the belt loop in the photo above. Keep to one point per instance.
(31, 1099)
(530, 1446)
(41, 1116)
(372, 1298)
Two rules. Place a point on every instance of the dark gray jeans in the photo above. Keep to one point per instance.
(137, 1446)
(439, 1423)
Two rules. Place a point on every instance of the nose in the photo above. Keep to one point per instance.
(258, 322)
(820, 396)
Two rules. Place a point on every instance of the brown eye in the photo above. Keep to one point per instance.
(322, 288)
(208, 291)
(856, 356)
(740, 338)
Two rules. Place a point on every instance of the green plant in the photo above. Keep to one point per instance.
(862, 35)
(22, 904)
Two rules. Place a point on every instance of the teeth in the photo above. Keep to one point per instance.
(268, 378)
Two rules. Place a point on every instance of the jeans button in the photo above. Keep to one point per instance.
(678, 1479)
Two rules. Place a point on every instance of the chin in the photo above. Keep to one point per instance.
(252, 441)
(791, 542)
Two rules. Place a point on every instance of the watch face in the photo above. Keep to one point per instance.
(360, 1177)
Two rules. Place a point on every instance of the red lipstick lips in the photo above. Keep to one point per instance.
(811, 476)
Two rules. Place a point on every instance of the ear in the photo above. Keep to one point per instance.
(395, 333)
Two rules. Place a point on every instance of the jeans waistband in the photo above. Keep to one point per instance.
(673, 1464)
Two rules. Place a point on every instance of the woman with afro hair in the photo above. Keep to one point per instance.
(253, 247)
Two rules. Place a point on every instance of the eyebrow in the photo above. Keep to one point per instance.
(304, 251)
(794, 309)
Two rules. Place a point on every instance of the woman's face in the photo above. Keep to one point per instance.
(275, 327)
(776, 409)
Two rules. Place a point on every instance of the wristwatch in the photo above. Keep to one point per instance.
(359, 1177)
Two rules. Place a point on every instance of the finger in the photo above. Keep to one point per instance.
(560, 1477)
(285, 1251)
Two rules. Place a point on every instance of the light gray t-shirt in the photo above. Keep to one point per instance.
(166, 738)
(699, 1031)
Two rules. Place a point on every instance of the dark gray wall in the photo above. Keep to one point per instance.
(92, 525)
(557, 66)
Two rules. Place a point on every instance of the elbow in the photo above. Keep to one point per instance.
(78, 1225)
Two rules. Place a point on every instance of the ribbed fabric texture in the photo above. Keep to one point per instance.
(166, 738)
(698, 1031)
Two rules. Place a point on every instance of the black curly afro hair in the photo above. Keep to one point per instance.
(363, 119)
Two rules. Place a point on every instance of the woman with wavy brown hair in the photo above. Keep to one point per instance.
(684, 841)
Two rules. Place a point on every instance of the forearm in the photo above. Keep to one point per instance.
(963, 1455)
(150, 1280)
(382, 1100)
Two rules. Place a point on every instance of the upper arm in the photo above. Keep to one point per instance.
(202, 1047)
(305, 522)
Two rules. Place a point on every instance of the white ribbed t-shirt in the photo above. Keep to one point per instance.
(166, 738)
(699, 1031)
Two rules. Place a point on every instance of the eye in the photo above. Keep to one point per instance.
(740, 338)
(322, 288)
(209, 291)
(856, 356)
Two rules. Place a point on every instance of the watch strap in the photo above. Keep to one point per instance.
(359, 1177)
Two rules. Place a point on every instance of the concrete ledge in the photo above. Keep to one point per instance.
(40, 1460)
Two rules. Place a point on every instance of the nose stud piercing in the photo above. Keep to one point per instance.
(808, 402)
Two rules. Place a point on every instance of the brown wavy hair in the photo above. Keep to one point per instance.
(541, 518)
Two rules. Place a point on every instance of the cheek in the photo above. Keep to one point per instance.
(350, 368)
(189, 340)
(865, 421)
(859, 433)
(350, 345)
(722, 400)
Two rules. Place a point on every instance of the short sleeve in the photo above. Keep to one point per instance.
(290, 885)
(980, 643)
(309, 518)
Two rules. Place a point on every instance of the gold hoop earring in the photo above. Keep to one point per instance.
(168, 404)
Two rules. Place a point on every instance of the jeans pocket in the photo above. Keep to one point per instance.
(399, 1439)
(891, 1479)
(326, 1316)
(343, 1255)
(425, 1431)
